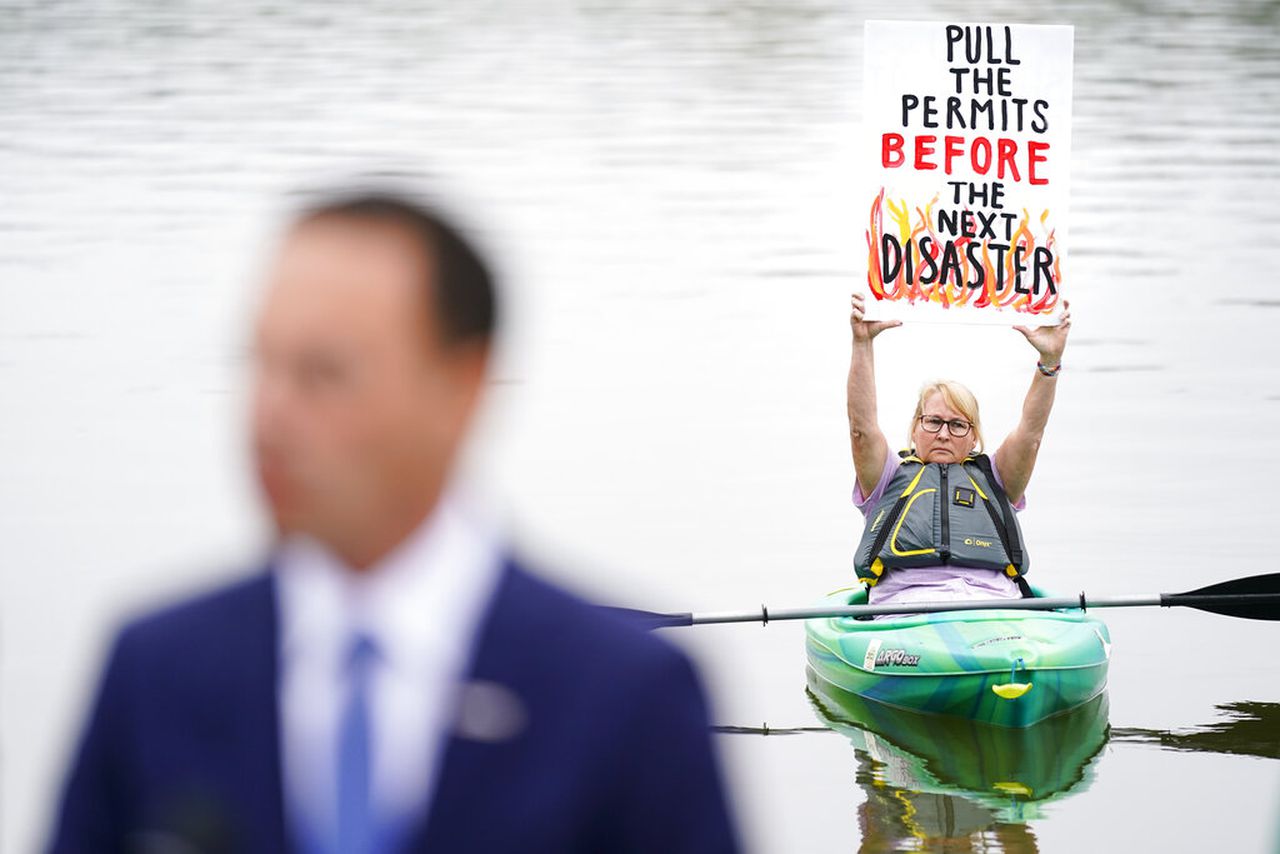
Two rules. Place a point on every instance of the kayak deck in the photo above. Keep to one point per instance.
(1004, 667)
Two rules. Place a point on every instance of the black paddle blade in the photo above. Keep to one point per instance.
(649, 619)
(1254, 598)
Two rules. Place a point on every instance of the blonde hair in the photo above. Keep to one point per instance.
(959, 398)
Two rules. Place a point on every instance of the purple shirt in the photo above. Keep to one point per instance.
(938, 582)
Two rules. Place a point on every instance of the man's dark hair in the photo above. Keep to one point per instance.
(462, 288)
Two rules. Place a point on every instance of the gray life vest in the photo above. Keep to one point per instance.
(952, 514)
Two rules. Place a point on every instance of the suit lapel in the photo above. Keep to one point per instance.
(255, 714)
(480, 748)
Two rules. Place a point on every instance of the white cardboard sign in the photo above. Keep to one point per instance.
(967, 133)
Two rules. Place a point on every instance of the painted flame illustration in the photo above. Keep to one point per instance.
(954, 292)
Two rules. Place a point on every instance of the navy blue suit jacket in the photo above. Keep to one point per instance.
(615, 753)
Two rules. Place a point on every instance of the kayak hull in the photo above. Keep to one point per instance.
(1002, 667)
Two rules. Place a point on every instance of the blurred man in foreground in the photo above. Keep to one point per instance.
(393, 679)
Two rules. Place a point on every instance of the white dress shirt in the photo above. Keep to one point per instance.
(421, 604)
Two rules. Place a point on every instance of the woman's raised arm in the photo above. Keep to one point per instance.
(869, 445)
(1016, 456)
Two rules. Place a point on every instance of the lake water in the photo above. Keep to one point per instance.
(668, 186)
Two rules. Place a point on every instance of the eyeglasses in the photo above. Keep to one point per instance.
(957, 428)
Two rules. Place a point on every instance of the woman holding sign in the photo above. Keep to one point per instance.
(939, 516)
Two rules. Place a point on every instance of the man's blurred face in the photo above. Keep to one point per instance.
(358, 407)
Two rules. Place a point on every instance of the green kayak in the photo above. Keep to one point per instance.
(1003, 667)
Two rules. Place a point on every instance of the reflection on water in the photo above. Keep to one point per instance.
(932, 780)
(1250, 729)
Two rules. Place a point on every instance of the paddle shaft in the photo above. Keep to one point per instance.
(1256, 597)
(766, 615)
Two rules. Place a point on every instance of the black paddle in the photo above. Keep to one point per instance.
(1254, 598)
